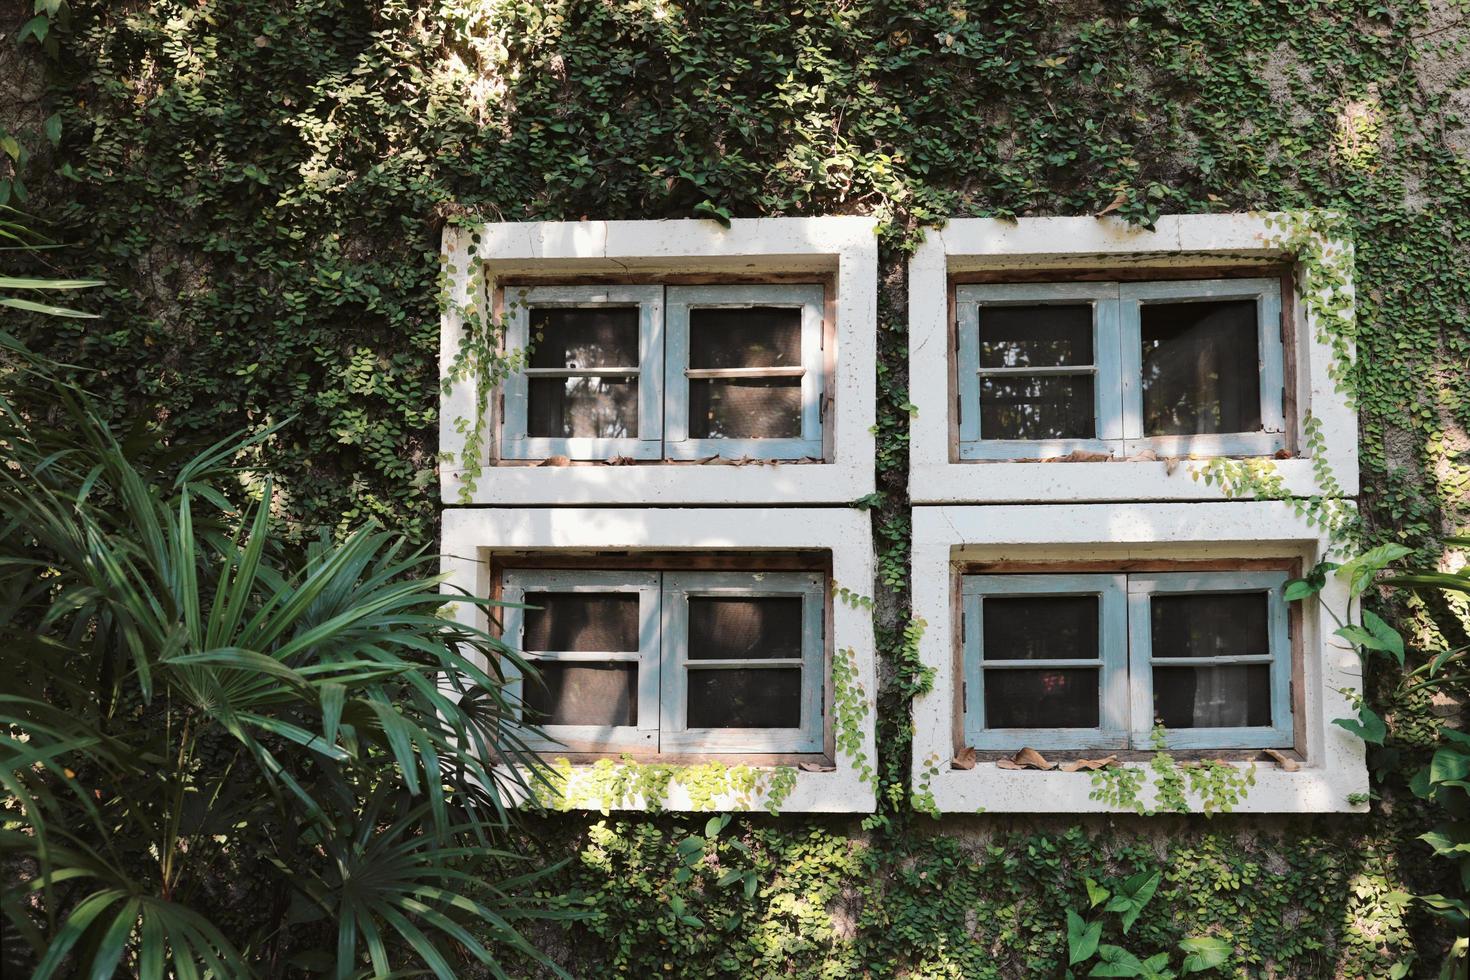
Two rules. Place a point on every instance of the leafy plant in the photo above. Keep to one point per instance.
(1128, 898)
(193, 707)
(15, 291)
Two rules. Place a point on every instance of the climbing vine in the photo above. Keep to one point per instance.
(264, 187)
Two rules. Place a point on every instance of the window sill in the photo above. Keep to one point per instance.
(711, 784)
(990, 789)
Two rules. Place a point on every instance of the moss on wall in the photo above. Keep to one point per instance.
(263, 185)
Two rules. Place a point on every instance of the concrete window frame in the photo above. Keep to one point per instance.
(952, 541)
(841, 251)
(474, 537)
(1035, 250)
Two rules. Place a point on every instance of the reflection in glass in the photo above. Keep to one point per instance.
(1035, 336)
(745, 408)
(582, 408)
(1043, 698)
(1228, 696)
(1209, 625)
(1201, 368)
(765, 627)
(1040, 627)
(745, 698)
(584, 338)
(582, 694)
(1037, 407)
(605, 622)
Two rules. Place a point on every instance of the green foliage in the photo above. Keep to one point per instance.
(263, 188)
(191, 709)
(1217, 786)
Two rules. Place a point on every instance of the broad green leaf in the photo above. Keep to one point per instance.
(1082, 938)
(1449, 764)
(1386, 635)
(1360, 571)
(1116, 962)
(1367, 726)
(1203, 953)
(1300, 588)
(1096, 894)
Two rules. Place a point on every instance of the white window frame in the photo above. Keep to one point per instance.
(1333, 775)
(475, 538)
(680, 301)
(1030, 247)
(676, 736)
(516, 583)
(839, 251)
(515, 443)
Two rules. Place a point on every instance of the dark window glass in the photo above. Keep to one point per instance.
(1040, 627)
(745, 698)
(745, 408)
(583, 408)
(1035, 336)
(1233, 696)
(1209, 625)
(1201, 368)
(745, 629)
(1066, 698)
(1037, 407)
(583, 694)
(761, 336)
(595, 622)
(584, 338)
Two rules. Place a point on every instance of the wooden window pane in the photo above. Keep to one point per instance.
(605, 622)
(1201, 368)
(1040, 627)
(1037, 407)
(745, 408)
(1065, 698)
(1035, 336)
(1230, 696)
(582, 408)
(762, 336)
(744, 698)
(584, 338)
(768, 627)
(1209, 625)
(583, 694)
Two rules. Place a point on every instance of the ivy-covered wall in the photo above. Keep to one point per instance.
(263, 186)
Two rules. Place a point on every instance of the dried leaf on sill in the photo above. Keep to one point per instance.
(1286, 762)
(816, 767)
(1088, 765)
(1080, 456)
(1027, 758)
(622, 461)
(556, 461)
(964, 758)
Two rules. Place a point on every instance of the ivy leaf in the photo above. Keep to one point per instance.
(716, 824)
(750, 885)
(1360, 571)
(1116, 962)
(1385, 634)
(1449, 764)
(708, 209)
(52, 128)
(1203, 953)
(1367, 726)
(1082, 938)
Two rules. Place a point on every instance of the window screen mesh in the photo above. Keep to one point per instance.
(1209, 625)
(1040, 627)
(745, 698)
(583, 694)
(1201, 368)
(1230, 696)
(582, 408)
(1035, 336)
(761, 336)
(766, 627)
(1065, 698)
(584, 338)
(1037, 407)
(593, 622)
(745, 408)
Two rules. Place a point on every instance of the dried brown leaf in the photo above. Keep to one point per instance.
(964, 758)
(1088, 765)
(1286, 762)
